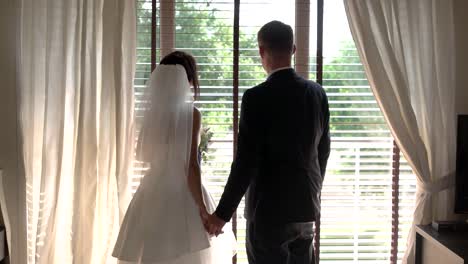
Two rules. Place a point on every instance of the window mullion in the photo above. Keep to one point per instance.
(395, 202)
(319, 59)
(319, 79)
(167, 26)
(153, 33)
(235, 96)
(302, 37)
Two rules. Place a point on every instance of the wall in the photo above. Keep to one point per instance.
(461, 38)
(445, 200)
(8, 119)
(461, 23)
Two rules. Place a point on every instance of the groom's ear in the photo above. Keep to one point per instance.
(261, 50)
(294, 49)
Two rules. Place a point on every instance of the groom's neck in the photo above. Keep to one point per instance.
(277, 66)
(275, 63)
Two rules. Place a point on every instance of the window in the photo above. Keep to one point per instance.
(357, 194)
(368, 193)
(357, 197)
(147, 54)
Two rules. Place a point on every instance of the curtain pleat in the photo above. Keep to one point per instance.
(77, 62)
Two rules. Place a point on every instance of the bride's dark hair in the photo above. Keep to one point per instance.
(189, 63)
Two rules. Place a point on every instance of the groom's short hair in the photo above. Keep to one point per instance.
(276, 37)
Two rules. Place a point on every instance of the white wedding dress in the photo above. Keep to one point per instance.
(162, 223)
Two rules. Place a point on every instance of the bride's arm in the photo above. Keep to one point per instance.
(194, 175)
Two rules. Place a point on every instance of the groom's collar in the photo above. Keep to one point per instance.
(280, 71)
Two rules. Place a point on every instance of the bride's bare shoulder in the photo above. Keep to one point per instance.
(196, 116)
(196, 113)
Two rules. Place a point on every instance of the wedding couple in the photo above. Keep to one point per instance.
(282, 153)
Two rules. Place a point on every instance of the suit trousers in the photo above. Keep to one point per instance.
(280, 244)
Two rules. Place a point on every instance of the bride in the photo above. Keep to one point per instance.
(164, 223)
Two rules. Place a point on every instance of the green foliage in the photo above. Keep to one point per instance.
(205, 138)
(207, 32)
(352, 101)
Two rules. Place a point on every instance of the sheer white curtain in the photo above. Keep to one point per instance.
(77, 60)
(407, 48)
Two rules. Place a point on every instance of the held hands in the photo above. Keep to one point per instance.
(215, 225)
(212, 223)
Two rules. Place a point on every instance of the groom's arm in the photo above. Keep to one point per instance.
(324, 144)
(245, 165)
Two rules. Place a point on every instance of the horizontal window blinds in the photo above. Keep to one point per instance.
(356, 224)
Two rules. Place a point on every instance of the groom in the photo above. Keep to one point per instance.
(282, 153)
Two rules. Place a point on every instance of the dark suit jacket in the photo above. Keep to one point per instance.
(282, 152)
